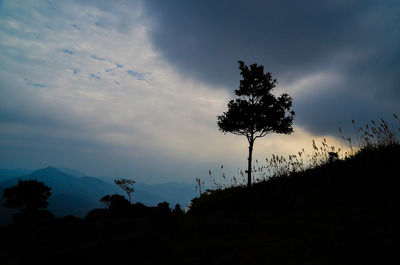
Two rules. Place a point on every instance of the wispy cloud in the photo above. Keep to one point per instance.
(120, 120)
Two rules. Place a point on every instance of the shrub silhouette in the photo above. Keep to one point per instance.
(117, 204)
(256, 112)
(164, 207)
(115, 201)
(178, 210)
(96, 214)
(28, 196)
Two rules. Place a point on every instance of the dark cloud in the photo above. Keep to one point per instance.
(359, 40)
(325, 112)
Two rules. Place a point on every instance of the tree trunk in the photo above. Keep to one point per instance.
(251, 142)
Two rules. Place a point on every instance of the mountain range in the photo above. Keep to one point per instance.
(76, 194)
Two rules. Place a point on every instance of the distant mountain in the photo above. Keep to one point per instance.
(78, 195)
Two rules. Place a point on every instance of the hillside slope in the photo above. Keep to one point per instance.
(371, 178)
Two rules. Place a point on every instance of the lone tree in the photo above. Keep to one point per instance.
(256, 112)
(28, 195)
(125, 184)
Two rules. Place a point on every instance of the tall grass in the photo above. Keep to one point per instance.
(372, 135)
(377, 134)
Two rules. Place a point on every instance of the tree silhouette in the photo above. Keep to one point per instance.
(256, 112)
(28, 195)
(126, 184)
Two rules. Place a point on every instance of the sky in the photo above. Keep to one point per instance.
(133, 88)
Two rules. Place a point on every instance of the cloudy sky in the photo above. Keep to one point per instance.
(133, 88)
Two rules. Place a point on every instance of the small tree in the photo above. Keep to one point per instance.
(126, 184)
(256, 112)
(28, 195)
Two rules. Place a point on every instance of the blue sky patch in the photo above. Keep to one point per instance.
(98, 58)
(75, 26)
(138, 76)
(39, 85)
(68, 51)
(95, 76)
